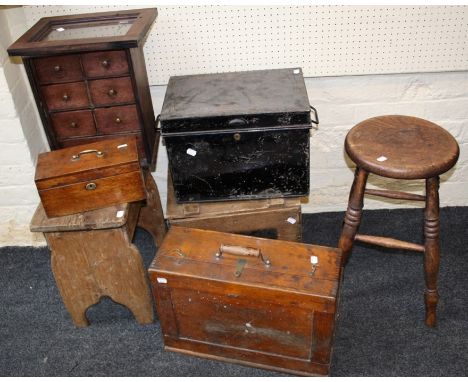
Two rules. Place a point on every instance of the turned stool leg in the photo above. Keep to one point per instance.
(353, 213)
(431, 248)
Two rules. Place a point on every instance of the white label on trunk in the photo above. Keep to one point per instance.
(191, 152)
(382, 159)
(314, 259)
(162, 280)
(291, 220)
(120, 213)
(296, 71)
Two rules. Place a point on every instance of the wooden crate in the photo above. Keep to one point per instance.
(252, 301)
(278, 218)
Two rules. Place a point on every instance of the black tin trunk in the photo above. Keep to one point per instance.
(235, 136)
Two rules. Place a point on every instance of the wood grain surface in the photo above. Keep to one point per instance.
(280, 316)
(401, 147)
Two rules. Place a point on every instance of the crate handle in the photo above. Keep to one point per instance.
(77, 156)
(242, 251)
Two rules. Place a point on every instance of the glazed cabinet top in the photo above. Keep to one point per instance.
(85, 33)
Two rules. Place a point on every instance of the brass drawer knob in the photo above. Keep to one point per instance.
(65, 97)
(105, 63)
(57, 68)
(118, 120)
(73, 125)
(112, 92)
(237, 137)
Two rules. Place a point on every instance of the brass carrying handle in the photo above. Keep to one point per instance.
(242, 251)
(91, 151)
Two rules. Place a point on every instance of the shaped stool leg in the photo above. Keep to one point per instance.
(151, 216)
(353, 213)
(431, 248)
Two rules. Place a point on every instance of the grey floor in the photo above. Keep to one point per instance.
(380, 331)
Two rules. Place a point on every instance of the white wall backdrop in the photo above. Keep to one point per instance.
(325, 40)
(427, 45)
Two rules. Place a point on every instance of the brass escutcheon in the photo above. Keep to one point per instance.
(91, 186)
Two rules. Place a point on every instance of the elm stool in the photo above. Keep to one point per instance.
(400, 147)
(92, 255)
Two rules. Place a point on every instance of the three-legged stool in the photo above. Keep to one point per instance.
(400, 147)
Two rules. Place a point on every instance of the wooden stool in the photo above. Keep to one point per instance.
(281, 215)
(151, 214)
(92, 255)
(400, 147)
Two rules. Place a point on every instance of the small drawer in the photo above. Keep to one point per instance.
(117, 119)
(65, 96)
(73, 124)
(58, 69)
(107, 63)
(111, 91)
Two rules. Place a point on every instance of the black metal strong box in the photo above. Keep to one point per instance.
(239, 135)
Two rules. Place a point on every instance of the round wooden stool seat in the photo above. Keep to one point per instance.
(401, 147)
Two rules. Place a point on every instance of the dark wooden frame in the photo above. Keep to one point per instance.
(131, 43)
(30, 43)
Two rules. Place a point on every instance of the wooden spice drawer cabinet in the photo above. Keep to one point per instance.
(91, 83)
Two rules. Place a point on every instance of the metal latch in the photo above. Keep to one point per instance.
(314, 262)
(240, 267)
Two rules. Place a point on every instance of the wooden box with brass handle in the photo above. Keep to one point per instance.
(253, 301)
(88, 177)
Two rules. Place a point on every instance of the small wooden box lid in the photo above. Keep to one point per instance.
(86, 162)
